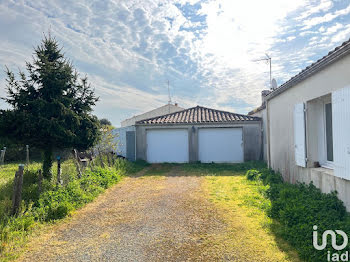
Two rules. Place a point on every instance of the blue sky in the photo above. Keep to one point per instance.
(130, 48)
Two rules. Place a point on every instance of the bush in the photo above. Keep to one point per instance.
(297, 208)
(253, 175)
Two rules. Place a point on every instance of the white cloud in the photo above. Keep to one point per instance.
(326, 18)
(341, 35)
(130, 48)
(322, 6)
(331, 30)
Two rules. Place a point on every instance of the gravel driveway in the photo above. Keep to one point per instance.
(161, 218)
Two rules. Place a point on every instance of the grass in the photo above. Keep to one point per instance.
(159, 169)
(53, 203)
(135, 167)
(244, 208)
(214, 169)
(7, 174)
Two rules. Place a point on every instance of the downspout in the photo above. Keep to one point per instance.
(262, 140)
(268, 133)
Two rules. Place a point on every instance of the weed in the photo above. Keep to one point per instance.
(54, 201)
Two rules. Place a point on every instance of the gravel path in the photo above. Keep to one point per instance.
(140, 219)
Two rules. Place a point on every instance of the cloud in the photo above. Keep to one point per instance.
(311, 9)
(129, 49)
(309, 23)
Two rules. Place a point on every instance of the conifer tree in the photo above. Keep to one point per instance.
(50, 107)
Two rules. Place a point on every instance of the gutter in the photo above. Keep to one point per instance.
(257, 121)
(333, 56)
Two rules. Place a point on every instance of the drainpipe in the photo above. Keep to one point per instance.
(268, 133)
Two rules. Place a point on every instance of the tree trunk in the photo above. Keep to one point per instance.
(47, 164)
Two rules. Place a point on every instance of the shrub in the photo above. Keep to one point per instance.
(297, 208)
(253, 174)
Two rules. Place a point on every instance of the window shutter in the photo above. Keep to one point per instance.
(341, 133)
(299, 135)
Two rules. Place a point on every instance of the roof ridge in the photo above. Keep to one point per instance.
(197, 114)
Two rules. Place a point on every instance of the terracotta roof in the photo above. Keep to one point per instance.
(331, 57)
(197, 115)
(258, 109)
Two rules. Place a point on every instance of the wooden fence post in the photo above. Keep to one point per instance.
(2, 152)
(59, 181)
(108, 159)
(40, 181)
(27, 155)
(3, 155)
(101, 157)
(17, 190)
(113, 158)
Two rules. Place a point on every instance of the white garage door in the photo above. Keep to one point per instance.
(221, 145)
(167, 145)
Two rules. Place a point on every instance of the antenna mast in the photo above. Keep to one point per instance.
(169, 102)
(268, 59)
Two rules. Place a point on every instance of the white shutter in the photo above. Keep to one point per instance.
(299, 135)
(341, 132)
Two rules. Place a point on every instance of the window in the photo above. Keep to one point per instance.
(329, 132)
(319, 131)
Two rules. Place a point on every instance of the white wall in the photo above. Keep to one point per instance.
(280, 114)
(163, 110)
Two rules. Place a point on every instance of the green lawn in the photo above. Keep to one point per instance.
(7, 174)
(244, 210)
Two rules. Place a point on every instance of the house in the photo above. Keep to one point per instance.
(199, 134)
(307, 125)
(125, 136)
(166, 109)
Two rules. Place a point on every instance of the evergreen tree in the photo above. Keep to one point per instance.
(51, 107)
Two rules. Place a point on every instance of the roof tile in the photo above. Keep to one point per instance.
(197, 115)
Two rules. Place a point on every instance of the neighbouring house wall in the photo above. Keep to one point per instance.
(251, 139)
(166, 109)
(262, 115)
(281, 128)
(120, 139)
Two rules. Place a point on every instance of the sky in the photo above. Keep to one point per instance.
(129, 49)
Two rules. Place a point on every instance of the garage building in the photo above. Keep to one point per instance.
(199, 134)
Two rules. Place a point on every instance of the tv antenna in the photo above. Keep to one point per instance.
(169, 101)
(268, 60)
(273, 84)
